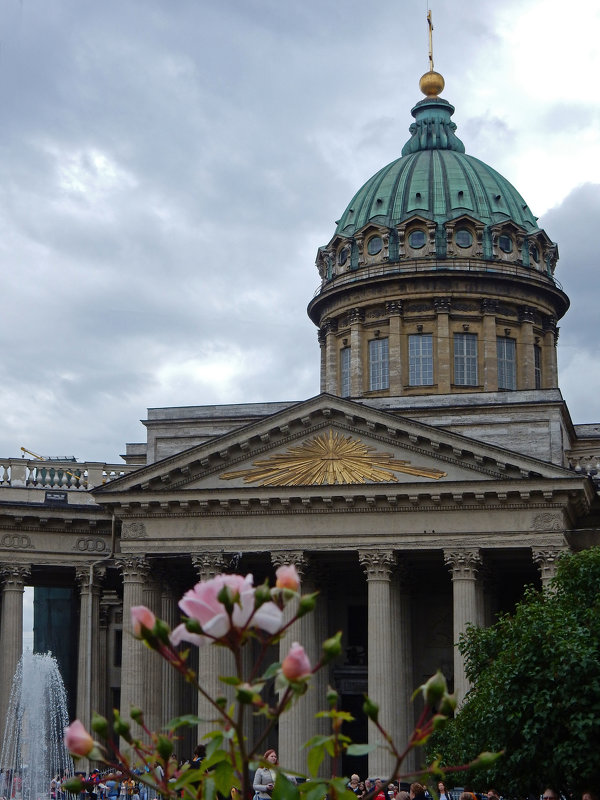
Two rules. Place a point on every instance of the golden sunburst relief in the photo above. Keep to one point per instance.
(328, 459)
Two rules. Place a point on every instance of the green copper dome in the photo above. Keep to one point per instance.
(435, 180)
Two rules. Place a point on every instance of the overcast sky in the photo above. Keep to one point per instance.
(169, 169)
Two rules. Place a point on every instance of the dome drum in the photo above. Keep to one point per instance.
(438, 278)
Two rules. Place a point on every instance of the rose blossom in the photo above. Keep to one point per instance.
(296, 665)
(202, 604)
(287, 577)
(77, 740)
(141, 617)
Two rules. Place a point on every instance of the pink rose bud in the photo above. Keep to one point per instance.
(296, 666)
(141, 617)
(77, 740)
(287, 578)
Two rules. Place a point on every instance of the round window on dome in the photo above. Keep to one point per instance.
(374, 245)
(505, 243)
(464, 237)
(417, 239)
(343, 256)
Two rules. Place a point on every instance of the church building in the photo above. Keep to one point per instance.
(437, 473)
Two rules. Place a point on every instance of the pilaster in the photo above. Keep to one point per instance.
(394, 310)
(490, 351)
(331, 357)
(378, 566)
(525, 354)
(357, 316)
(443, 364)
(464, 565)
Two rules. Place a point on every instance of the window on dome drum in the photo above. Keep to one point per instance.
(505, 243)
(343, 256)
(374, 245)
(507, 363)
(465, 359)
(420, 359)
(417, 239)
(379, 367)
(463, 237)
(535, 254)
(537, 366)
(345, 371)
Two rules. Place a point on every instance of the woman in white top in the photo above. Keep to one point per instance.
(264, 777)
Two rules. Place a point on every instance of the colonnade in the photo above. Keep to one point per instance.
(149, 683)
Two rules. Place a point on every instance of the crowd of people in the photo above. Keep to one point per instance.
(109, 786)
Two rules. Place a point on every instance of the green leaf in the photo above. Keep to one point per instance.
(359, 749)
(313, 790)
(315, 758)
(284, 789)
(223, 774)
(185, 721)
(272, 671)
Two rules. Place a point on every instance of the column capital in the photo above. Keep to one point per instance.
(526, 314)
(545, 559)
(296, 558)
(82, 576)
(463, 563)
(489, 306)
(329, 326)
(13, 576)
(377, 564)
(441, 305)
(208, 565)
(134, 569)
(356, 315)
(394, 307)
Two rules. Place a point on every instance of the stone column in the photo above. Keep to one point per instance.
(153, 663)
(394, 310)
(331, 357)
(171, 679)
(322, 338)
(549, 366)
(490, 350)
(525, 354)
(378, 565)
(443, 364)
(357, 316)
(13, 578)
(135, 571)
(466, 606)
(89, 677)
(545, 558)
(402, 657)
(298, 724)
(212, 661)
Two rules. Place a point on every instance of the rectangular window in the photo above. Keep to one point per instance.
(345, 371)
(465, 359)
(379, 370)
(507, 363)
(420, 359)
(537, 355)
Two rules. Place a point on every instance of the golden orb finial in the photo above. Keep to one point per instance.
(431, 84)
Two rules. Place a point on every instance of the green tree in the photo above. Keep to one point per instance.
(536, 688)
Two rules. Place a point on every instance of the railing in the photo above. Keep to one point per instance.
(17, 473)
(421, 266)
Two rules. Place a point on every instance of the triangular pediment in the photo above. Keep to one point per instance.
(330, 444)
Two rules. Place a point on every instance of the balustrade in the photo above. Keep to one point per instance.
(21, 473)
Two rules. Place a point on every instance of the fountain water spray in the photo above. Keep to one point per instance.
(33, 751)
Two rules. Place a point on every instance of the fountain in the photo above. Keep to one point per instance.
(33, 751)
